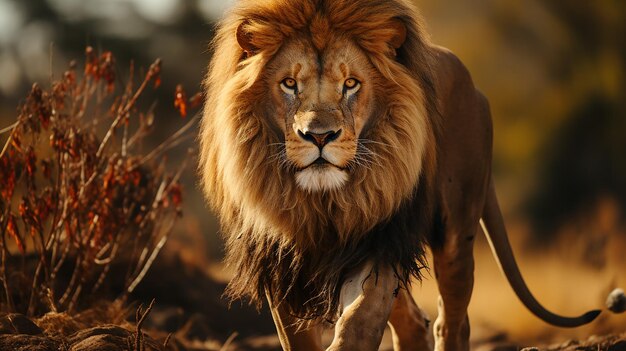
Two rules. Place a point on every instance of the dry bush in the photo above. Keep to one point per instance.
(78, 192)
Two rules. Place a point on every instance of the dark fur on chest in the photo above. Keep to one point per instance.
(308, 280)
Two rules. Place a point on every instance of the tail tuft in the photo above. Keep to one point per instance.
(616, 301)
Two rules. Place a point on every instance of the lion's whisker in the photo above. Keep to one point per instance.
(361, 160)
(368, 141)
(366, 153)
(281, 158)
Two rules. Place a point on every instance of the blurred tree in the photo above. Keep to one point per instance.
(52, 32)
(585, 156)
(555, 74)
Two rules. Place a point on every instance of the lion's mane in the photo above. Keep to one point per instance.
(290, 244)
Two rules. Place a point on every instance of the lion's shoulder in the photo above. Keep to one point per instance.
(451, 77)
(466, 133)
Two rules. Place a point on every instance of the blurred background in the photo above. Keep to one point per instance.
(554, 72)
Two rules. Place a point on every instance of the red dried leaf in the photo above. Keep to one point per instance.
(12, 171)
(14, 233)
(23, 208)
(109, 177)
(44, 206)
(40, 104)
(180, 100)
(91, 63)
(136, 177)
(107, 70)
(29, 217)
(58, 141)
(176, 194)
(70, 75)
(59, 92)
(31, 163)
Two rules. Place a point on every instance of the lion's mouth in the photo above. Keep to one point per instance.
(320, 161)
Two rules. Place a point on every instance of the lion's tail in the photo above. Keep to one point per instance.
(495, 231)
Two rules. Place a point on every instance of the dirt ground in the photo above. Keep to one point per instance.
(189, 314)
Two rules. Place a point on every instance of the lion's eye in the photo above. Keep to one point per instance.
(351, 84)
(289, 85)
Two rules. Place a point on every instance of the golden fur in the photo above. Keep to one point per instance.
(270, 222)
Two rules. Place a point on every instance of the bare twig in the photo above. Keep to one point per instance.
(173, 140)
(229, 341)
(150, 260)
(9, 128)
(6, 145)
(140, 317)
(167, 340)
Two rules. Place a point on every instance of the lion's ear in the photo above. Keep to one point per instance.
(244, 38)
(399, 33)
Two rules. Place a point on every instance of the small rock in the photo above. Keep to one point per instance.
(616, 302)
(102, 342)
(109, 338)
(111, 330)
(15, 323)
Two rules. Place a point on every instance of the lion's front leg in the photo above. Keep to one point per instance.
(454, 268)
(366, 300)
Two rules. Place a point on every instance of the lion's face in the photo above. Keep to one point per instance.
(321, 101)
(316, 119)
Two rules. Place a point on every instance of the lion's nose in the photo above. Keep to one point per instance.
(320, 139)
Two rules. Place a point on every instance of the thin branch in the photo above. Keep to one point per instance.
(9, 128)
(6, 144)
(167, 340)
(140, 318)
(150, 260)
(229, 341)
(129, 105)
(172, 141)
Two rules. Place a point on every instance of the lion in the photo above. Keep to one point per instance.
(336, 143)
